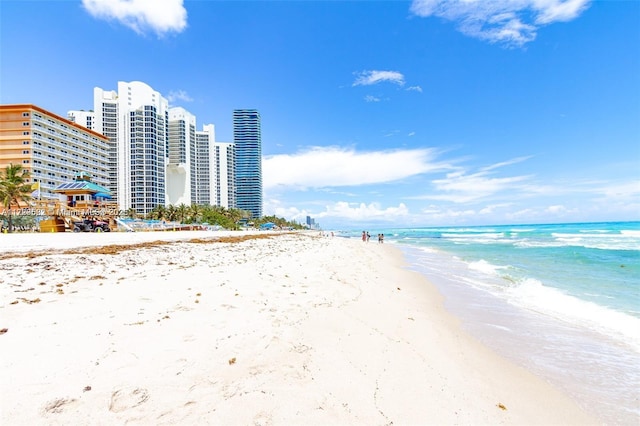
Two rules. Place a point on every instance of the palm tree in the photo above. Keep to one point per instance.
(14, 188)
(214, 216)
(158, 212)
(195, 213)
(171, 213)
(236, 214)
(182, 212)
(162, 212)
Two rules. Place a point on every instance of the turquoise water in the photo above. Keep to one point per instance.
(562, 300)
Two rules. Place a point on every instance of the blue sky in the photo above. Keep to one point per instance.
(374, 113)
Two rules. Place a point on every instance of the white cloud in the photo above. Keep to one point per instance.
(550, 11)
(473, 188)
(461, 187)
(506, 163)
(599, 191)
(367, 78)
(371, 98)
(361, 212)
(415, 89)
(159, 16)
(336, 167)
(274, 206)
(619, 190)
(510, 22)
(179, 95)
(336, 186)
(436, 214)
(340, 211)
(492, 208)
(557, 209)
(525, 214)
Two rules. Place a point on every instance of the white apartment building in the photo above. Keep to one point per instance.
(135, 118)
(181, 168)
(225, 171)
(83, 118)
(215, 169)
(205, 181)
(105, 121)
(154, 154)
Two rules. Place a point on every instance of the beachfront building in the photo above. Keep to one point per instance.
(156, 155)
(248, 145)
(105, 121)
(83, 118)
(135, 118)
(215, 169)
(181, 167)
(150, 154)
(224, 171)
(204, 178)
(51, 148)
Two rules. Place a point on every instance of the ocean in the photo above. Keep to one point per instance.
(561, 300)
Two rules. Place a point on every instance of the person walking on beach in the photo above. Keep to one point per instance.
(364, 236)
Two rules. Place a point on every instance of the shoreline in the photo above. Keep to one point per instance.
(595, 369)
(289, 329)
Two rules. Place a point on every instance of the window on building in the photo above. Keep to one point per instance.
(25, 133)
(25, 114)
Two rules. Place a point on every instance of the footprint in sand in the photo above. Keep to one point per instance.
(58, 405)
(263, 419)
(124, 399)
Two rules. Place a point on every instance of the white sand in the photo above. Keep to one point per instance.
(292, 329)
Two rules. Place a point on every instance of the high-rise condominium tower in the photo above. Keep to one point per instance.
(155, 156)
(248, 145)
(136, 121)
(181, 169)
(105, 121)
(215, 170)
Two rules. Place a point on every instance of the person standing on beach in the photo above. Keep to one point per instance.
(364, 236)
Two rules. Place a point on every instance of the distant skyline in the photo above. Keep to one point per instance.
(373, 114)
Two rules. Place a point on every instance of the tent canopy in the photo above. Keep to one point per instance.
(81, 187)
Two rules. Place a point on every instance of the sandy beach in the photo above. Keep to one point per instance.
(237, 328)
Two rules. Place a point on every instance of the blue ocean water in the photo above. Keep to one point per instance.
(561, 300)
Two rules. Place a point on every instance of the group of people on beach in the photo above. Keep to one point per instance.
(366, 236)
